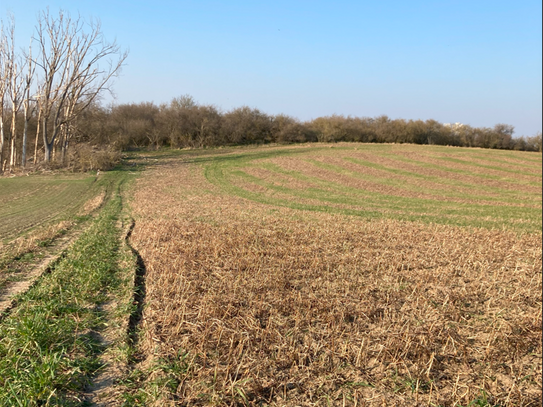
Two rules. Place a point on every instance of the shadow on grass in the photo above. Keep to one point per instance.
(139, 291)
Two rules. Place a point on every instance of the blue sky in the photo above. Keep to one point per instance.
(475, 62)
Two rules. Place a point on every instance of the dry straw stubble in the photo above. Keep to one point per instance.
(261, 305)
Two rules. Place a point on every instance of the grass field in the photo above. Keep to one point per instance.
(37, 210)
(340, 275)
(29, 202)
(51, 343)
(465, 187)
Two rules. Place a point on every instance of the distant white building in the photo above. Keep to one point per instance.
(454, 126)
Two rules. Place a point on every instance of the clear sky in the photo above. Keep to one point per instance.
(477, 62)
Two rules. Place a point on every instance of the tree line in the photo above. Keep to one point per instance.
(100, 133)
(51, 115)
(183, 123)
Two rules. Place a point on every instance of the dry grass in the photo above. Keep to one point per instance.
(12, 254)
(92, 204)
(248, 304)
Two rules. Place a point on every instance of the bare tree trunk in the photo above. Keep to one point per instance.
(62, 142)
(47, 153)
(2, 135)
(65, 131)
(47, 146)
(13, 138)
(4, 74)
(25, 133)
(65, 145)
(55, 148)
(26, 102)
(39, 107)
(2, 138)
(15, 85)
(36, 142)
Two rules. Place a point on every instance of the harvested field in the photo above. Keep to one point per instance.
(257, 300)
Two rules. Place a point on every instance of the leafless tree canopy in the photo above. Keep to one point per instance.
(76, 65)
(71, 66)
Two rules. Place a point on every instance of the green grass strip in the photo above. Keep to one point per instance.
(444, 191)
(48, 346)
(370, 204)
(421, 164)
(466, 171)
(468, 164)
(401, 206)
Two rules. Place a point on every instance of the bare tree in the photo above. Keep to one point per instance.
(76, 65)
(15, 66)
(28, 106)
(3, 90)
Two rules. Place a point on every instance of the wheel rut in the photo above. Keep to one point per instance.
(139, 290)
(104, 390)
(10, 293)
(55, 252)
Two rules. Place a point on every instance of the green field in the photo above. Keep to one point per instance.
(50, 343)
(464, 187)
(28, 202)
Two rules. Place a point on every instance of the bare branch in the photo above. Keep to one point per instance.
(72, 55)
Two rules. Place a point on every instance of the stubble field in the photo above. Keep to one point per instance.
(345, 275)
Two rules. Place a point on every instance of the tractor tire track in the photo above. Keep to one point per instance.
(57, 251)
(103, 391)
(10, 293)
